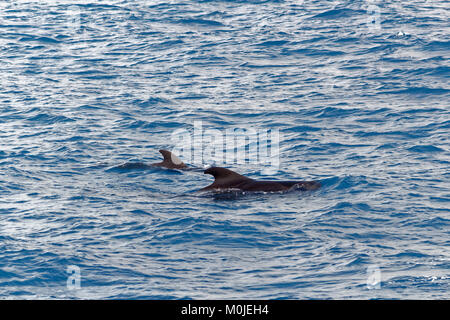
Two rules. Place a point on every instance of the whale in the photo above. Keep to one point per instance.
(225, 179)
(170, 161)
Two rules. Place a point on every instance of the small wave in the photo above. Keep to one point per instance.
(435, 283)
(349, 182)
(438, 46)
(39, 39)
(46, 119)
(141, 212)
(335, 112)
(338, 13)
(418, 91)
(425, 149)
(258, 65)
(387, 146)
(313, 52)
(152, 101)
(272, 43)
(201, 22)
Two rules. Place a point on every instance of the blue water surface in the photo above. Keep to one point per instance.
(359, 91)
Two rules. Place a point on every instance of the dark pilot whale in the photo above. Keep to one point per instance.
(226, 179)
(170, 161)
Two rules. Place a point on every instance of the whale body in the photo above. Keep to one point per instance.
(170, 161)
(226, 179)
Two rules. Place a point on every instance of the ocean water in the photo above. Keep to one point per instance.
(358, 90)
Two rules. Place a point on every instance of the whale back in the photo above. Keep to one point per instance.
(225, 178)
(170, 161)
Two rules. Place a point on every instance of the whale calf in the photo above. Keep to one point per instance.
(226, 179)
(170, 161)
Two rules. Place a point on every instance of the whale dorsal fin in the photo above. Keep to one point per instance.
(224, 178)
(171, 160)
